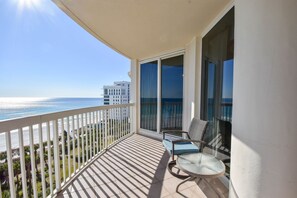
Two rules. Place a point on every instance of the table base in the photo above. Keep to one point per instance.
(172, 164)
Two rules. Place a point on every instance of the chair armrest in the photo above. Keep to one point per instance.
(173, 131)
(188, 140)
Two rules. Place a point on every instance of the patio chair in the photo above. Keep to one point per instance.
(191, 144)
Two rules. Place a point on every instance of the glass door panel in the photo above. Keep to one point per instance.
(217, 85)
(171, 93)
(148, 95)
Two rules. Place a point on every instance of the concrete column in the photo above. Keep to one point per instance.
(264, 151)
(191, 82)
(134, 87)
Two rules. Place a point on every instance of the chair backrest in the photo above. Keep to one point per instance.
(197, 129)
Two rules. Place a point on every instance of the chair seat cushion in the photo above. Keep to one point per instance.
(180, 148)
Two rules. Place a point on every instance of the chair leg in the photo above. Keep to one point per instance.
(172, 164)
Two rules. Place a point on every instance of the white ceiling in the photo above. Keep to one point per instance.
(143, 28)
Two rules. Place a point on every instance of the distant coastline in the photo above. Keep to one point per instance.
(16, 107)
(11, 108)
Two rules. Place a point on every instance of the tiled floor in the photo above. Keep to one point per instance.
(136, 167)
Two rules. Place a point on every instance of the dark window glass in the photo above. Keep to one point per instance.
(148, 95)
(172, 93)
(217, 84)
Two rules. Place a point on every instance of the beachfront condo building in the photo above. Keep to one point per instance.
(118, 93)
(229, 62)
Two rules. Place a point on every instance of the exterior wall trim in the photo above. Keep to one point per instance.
(163, 55)
(224, 11)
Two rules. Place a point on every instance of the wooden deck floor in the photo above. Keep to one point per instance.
(135, 167)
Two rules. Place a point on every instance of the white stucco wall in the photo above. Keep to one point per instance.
(190, 61)
(134, 93)
(264, 151)
(192, 81)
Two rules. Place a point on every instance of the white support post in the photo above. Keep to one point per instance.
(105, 128)
(87, 138)
(90, 135)
(57, 155)
(73, 144)
(78, 140)
(23, 163)
(93, 131)
(68, 147)
(10, 165)
(83, 138)
(97, 128)
(32, 156)
(100, 131)
(111, 125)
(41, 159)
(63, 149)
(49, 155)
(134, 94)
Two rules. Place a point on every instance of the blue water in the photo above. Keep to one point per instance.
(22, 107)
(11, 108)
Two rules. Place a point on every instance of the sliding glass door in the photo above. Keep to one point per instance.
(161, 94)
(217, 83)
(148, 95)
(172, 93)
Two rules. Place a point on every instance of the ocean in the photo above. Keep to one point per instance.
(16, 107)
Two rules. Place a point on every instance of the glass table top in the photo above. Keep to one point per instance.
(201, 164)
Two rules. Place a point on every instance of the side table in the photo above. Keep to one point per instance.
(201, 166)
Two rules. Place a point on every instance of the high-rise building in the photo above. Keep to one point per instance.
(118, 93)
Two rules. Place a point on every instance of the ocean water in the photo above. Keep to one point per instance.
(22, 107)
(11, 108)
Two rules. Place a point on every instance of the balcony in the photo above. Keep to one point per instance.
(135, 167)
(87, 153)
(41, 154)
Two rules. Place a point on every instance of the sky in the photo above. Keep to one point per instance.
(44, 53)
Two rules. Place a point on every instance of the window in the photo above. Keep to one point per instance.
(217, 84)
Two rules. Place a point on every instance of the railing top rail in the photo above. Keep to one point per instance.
(12, 124)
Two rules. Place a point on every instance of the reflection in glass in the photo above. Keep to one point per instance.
(172, 93)
(148, 95)
(210, 91)
(217, 86)
(227, 91)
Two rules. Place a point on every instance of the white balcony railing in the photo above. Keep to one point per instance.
(40, 154)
